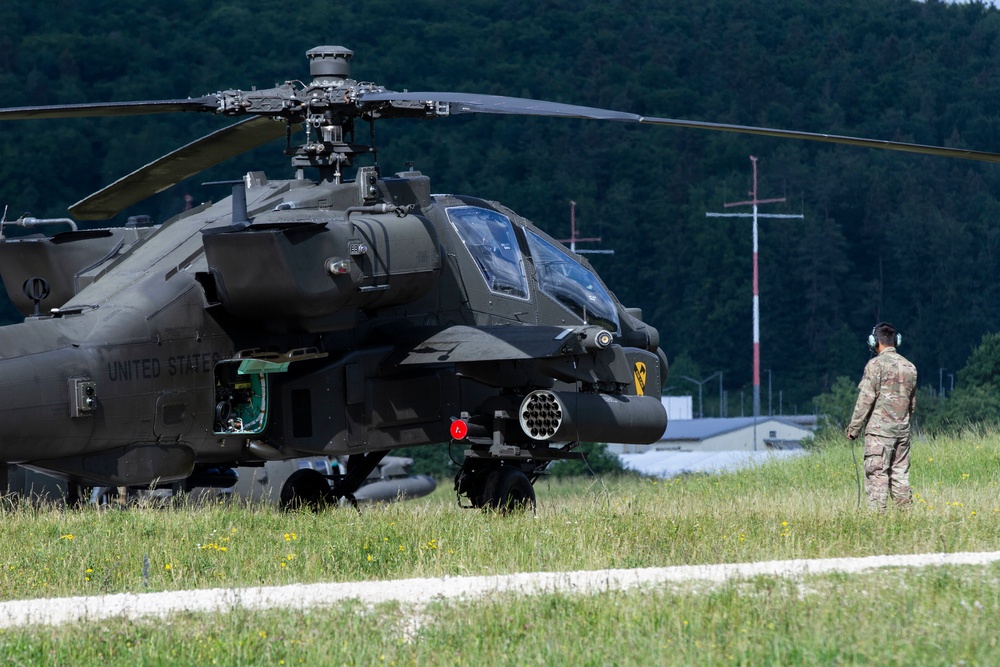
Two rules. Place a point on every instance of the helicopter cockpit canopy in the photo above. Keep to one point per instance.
(571, 284)
(489, 237)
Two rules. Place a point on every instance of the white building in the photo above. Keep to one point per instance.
(726, 434)
(677, 407)
(716, 445)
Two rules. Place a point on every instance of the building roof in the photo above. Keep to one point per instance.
(701, 429)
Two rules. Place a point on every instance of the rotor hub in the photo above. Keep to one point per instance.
(329, 62)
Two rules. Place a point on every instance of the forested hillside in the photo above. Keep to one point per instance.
(906, 238)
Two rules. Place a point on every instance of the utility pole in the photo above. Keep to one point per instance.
(721, 403)
(573, 238)
(755, 202)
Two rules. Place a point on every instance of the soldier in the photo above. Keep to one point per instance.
(886, 398)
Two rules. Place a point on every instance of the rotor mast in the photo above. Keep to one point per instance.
(330, 68)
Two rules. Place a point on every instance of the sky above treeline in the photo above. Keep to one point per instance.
(992, 3)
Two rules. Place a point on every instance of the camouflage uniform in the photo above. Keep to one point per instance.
(886, 398)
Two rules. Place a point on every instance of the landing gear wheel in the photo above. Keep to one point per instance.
(77, 495)
(349, 499)
(305, 488)
(508, 490)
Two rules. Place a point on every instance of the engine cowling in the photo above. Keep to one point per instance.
(305, 272)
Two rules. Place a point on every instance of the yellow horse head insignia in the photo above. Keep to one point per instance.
(640, 378)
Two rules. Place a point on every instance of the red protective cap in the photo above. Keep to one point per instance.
(459, 429)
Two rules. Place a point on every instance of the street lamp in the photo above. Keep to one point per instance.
(700, 383)
(721, 402)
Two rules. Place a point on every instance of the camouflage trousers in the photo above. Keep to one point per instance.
(887, 471)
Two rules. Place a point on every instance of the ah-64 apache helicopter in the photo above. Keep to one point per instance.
(320, 316)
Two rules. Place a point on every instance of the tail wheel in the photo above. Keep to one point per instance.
(508, 490)
(305, 488)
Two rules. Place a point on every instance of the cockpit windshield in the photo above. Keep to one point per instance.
(571, 284)
(489, 237)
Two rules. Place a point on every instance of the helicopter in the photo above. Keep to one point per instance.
(340, 313)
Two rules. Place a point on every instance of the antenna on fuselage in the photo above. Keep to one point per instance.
(240, 215)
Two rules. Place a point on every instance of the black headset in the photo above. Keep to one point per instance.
(873, 341)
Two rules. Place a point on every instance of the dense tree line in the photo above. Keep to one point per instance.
(905, 238)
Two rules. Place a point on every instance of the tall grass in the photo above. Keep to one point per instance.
(804, 507)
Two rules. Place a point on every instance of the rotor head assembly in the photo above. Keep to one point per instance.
(329, 62)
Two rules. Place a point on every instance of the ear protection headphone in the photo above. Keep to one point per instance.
(873, 341)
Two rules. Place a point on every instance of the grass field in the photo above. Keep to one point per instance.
(803, 508)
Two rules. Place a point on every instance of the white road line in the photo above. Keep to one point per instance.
(56, 611)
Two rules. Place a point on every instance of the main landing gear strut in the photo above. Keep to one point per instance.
(501, 477)
(501, 486)
(314, 490)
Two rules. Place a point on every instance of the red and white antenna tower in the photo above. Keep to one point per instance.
(574, 239)
(755, 202)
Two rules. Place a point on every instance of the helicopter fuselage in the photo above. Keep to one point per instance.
(324, 318)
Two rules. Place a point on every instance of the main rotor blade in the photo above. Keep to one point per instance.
(138, 108)
(174, 167)
(499, 104)
(496, 104)
(923, 149)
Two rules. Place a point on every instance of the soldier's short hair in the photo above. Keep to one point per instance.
(886, 334)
